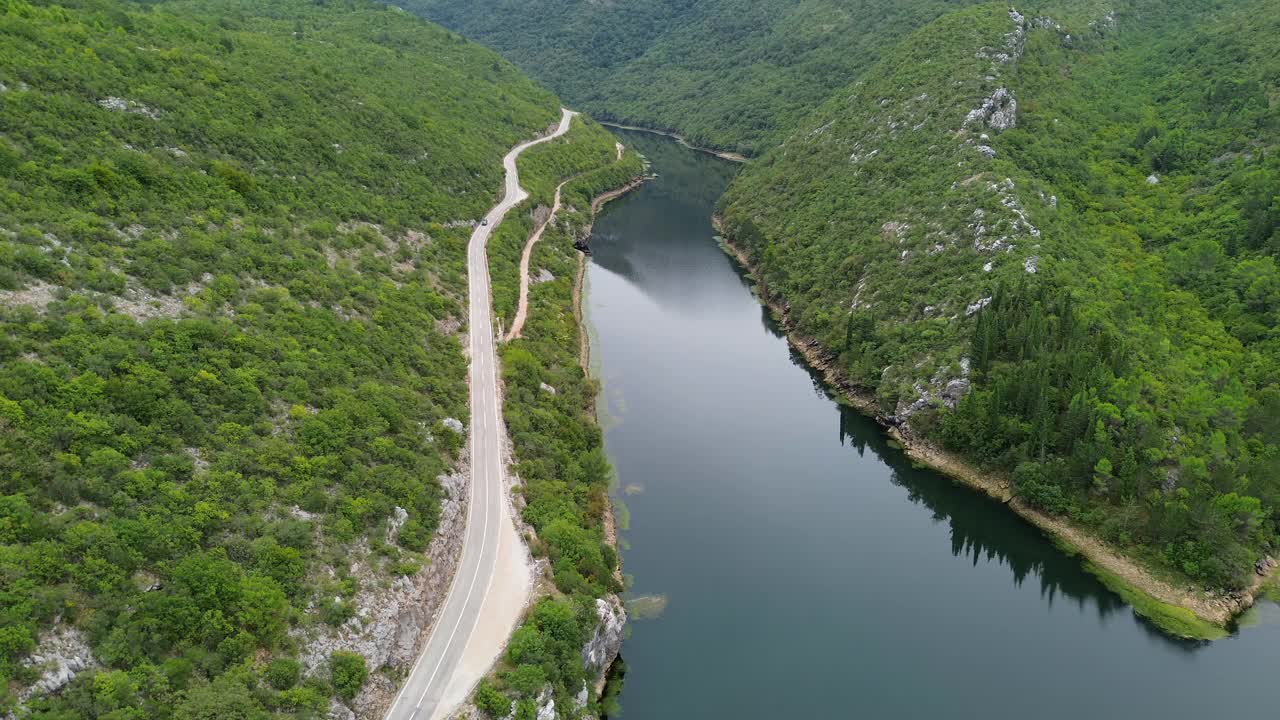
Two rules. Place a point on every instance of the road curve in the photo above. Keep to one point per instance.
(431, 689)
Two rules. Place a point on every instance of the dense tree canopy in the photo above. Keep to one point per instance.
(733, 74)
(232, 241)
(1095, 281)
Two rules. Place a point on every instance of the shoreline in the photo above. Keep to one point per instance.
(1182, 612)
(722, 154)
(584, 342)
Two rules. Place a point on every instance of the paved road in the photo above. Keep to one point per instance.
(465, 609)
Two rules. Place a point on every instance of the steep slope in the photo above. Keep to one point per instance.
(1046, 238)
(732, 74)
(232, 240)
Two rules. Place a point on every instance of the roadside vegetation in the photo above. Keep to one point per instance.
(548, 407)
(232, 246)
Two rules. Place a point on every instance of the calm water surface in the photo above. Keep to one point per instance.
(810, 570)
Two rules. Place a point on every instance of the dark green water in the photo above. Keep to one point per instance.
(810, 571)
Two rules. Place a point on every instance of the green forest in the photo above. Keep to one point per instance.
(729, 74)
(1087, 298)
(232, 240)
(232, 282)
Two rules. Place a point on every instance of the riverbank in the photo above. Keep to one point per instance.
(1184, 612)
(584, 349)
(722, 154)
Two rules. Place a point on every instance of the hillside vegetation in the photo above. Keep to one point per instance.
(232, 239)
(1047, 239)
(729, 74)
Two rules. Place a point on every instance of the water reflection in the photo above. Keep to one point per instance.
(800, 582)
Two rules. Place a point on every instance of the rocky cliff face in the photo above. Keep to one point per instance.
(601, 650)
(391, 623)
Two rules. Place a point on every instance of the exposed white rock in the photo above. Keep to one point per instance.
(547, 388)
(580, 700)
(974, 308)
(117, 104)
(453, 424)
(546, 705)
(1153, 179)
(399, 516)
(338, 711)
(1031, 264)
(894, 230)
(987, 151)
(605, 642)
(998, 112)
(987, 267)
(955, 391)
(391, 619)
(59, 656)
(38, 296)
(544, 275)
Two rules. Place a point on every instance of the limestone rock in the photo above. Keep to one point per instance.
(546, 705)
(606, 641)
(453, 424)
(998, 112)
(954, 392)
(391, 619)
(61, 654)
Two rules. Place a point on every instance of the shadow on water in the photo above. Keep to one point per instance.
(982, 529)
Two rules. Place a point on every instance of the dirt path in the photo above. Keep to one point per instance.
(522, 310)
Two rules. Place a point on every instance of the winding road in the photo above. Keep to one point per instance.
(492, 583)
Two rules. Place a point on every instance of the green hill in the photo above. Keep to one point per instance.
(732, 74)
(1047, 239)
(232, 241)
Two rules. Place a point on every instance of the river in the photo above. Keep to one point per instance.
(810, 571)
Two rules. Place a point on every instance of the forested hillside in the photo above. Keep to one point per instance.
(1047, 239)
(232, 239)
(731, 74)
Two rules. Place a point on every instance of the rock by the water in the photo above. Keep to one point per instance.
(606, 641)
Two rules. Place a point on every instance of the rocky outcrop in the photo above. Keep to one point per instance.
(60, 655)
(546, 705)
(128, 106)
(392, 620)
(998, 112)
(601, 650)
